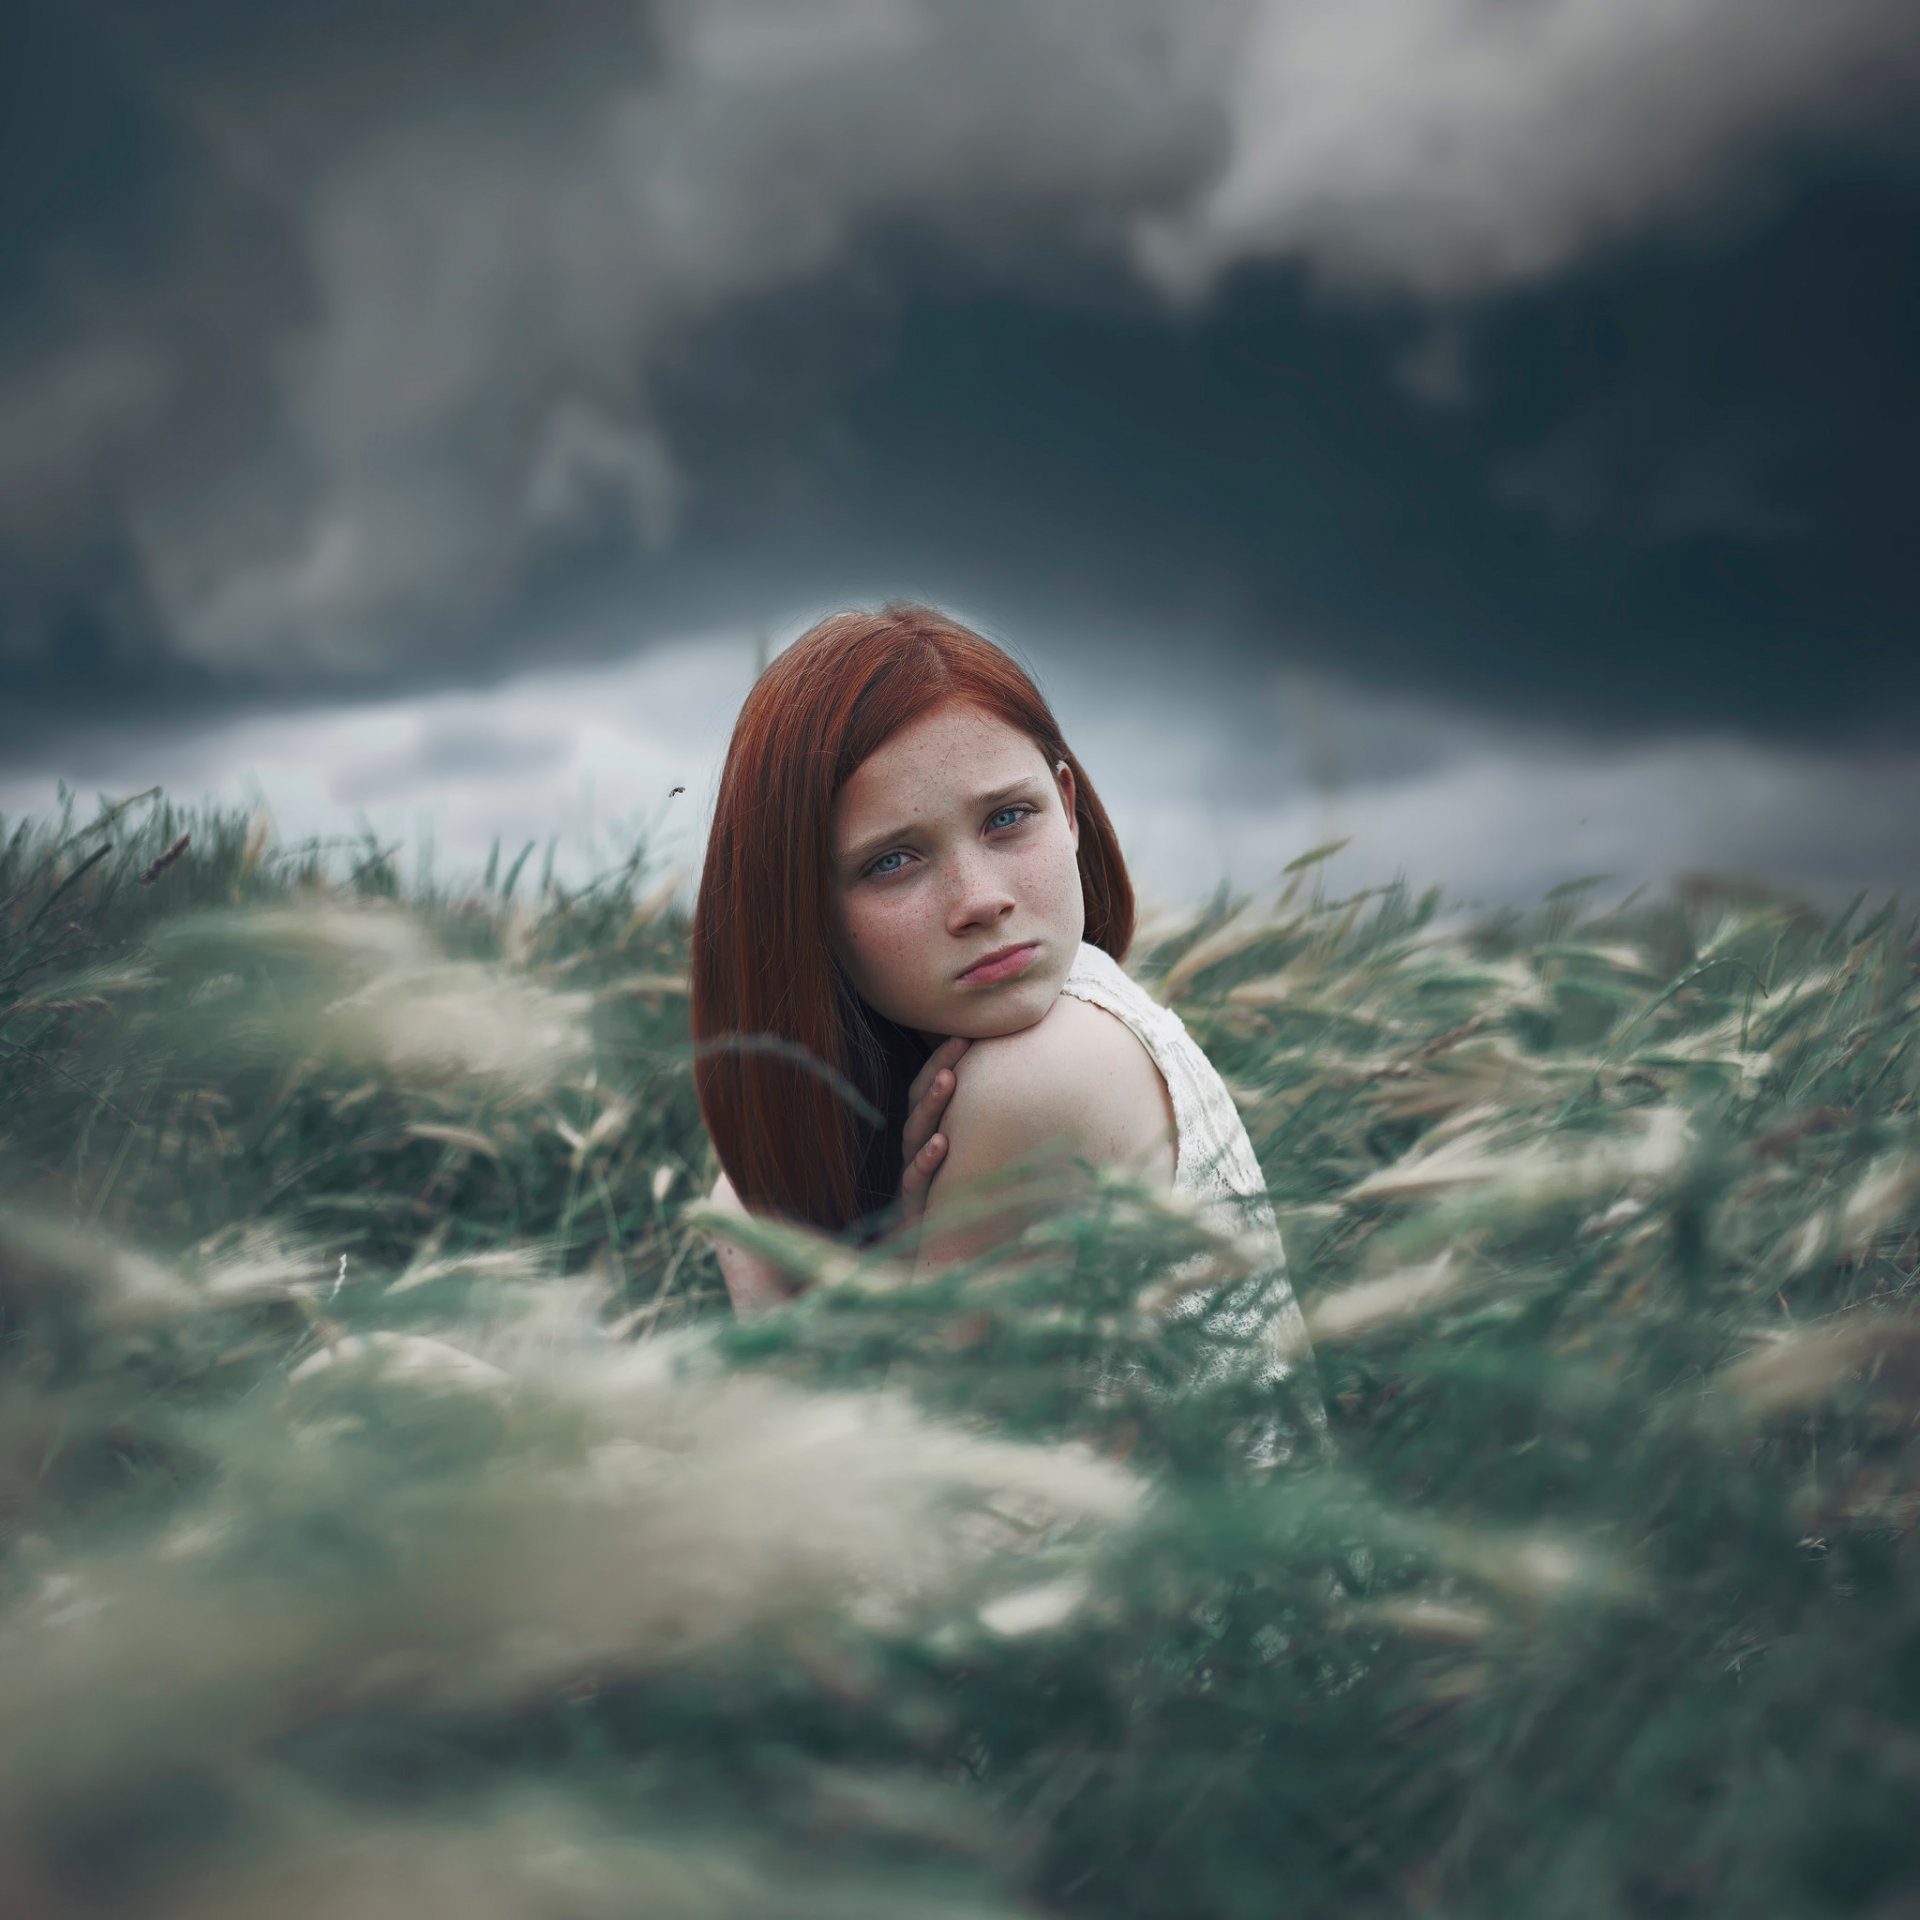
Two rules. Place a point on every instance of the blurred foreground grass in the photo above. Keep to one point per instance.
(393, 1519)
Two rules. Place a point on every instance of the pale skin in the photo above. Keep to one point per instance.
(952, 840)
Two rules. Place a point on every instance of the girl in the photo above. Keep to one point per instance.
(912, 894)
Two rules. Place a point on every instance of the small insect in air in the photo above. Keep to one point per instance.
(676, 790)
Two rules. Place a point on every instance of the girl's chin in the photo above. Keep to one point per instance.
(1009, 1011)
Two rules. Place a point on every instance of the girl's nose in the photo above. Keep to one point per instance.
(979, 891)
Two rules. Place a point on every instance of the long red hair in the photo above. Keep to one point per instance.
(802, 1084)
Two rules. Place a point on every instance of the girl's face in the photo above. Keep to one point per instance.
(952, 840)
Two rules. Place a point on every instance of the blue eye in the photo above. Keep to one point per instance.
(877, 872)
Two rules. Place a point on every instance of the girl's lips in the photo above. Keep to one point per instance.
(1016, 962)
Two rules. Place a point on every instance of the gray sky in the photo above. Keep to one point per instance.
(1479, 428)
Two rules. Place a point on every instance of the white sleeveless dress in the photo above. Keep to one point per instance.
(1215, 1168)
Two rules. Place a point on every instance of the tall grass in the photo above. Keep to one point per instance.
(393, 1517)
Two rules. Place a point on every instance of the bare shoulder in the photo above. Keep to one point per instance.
(1075, 1086)
(1078, 1080)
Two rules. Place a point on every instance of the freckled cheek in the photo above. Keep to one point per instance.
(886, 931)
(1059, 866)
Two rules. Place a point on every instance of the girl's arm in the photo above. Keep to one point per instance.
(1065, 1090)
(752, 1283)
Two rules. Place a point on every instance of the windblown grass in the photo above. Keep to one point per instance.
(394, 1518)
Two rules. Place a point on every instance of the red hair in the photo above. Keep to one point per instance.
(801, 1083)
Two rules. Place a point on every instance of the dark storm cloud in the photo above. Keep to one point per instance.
(1723, 541)
(339, 352)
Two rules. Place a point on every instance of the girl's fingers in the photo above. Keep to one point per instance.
(927, 1098)
(939, 1088)
(926, 1112)
(921, 1167)
(944, 1055)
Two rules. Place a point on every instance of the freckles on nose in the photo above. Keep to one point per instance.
(964, 879)
(971, 882)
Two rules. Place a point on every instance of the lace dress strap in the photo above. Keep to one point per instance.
(1216, 1168)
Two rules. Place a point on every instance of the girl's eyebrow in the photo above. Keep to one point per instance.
(857, 854)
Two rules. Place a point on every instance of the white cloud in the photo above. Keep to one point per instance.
(1204, 783)
(588, 756)
(1507, 826)
(1446, 147)
(1217, 788)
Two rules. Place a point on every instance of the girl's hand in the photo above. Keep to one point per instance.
(924, 1149)
(754, 1284)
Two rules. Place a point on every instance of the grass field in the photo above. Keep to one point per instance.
(394, 1519)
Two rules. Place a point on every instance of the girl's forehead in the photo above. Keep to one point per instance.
(955, 731)
(947, 758)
